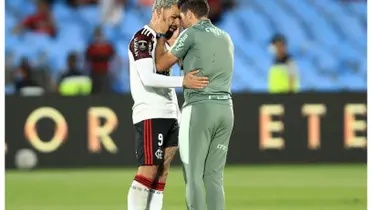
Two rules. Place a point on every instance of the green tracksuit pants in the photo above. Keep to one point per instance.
(204, 138)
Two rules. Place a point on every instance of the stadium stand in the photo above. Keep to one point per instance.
(329, 45)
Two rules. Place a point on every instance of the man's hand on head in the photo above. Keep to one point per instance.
(174, 37)
(161, 23)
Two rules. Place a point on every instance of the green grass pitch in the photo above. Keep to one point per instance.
(264, 187)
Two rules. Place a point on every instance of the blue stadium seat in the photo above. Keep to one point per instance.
(260, 56)
(122, 49)
(324, 34)
(234, 29)
(242, 74)
(327, 38)
(302, 8)
(145, 13)
(72, 37)
(131, 23)
(259, 84)
(248, 76)
(326, 84)
(363, 67)
(91, 15)
(10, 22)
(69, 27)
(284, 23)
(358, 8)
(73, 43)
(324, 59)
(307, 74)
(353, 29)
(21, 7)
(349, 55)
(14, 4)
(19, 51)
(320, 29)
(123, 84)
(41, 42)
(111, 33)
(333, 7)
(57, 59)
(345, 22)
(11, 41)
(62, 12)
(327, 63)
(353, 82)
(268, 7)
(257, 25)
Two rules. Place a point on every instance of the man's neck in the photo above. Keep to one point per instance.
(151, 25)
(200, 19)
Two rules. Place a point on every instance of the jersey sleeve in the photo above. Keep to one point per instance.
(151, 79)
(142, 46)
(183, 44)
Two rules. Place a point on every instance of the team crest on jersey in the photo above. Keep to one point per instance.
(159, 154)
(142, 45)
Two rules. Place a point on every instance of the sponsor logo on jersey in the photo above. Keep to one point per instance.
(181, 42)
(216, 31)
(159, 154)
(135, 46)
(222, 147)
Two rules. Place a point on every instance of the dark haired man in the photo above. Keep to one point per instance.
(207, 115)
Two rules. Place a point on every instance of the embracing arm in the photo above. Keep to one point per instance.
(163, 59)
(141, 48)
(149, 78)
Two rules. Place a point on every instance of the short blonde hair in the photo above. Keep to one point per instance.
(159, 4)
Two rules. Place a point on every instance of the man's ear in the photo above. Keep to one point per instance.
(189, 14)
(158, 11)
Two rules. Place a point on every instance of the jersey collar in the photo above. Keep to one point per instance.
(151, 30)
(204, 21)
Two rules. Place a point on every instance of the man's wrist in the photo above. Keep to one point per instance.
(161, 35)
(182, 81)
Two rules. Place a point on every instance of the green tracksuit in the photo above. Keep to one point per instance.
(207, 115)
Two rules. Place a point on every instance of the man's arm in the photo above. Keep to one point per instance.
(149, 78)
(163, 59)
(141, 48)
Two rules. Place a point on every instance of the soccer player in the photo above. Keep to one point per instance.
(155, 110)
(207, 115)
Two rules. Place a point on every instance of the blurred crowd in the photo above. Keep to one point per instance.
(80, 47)
(96, 68)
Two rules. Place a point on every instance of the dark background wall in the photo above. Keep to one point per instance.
(97, 130)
